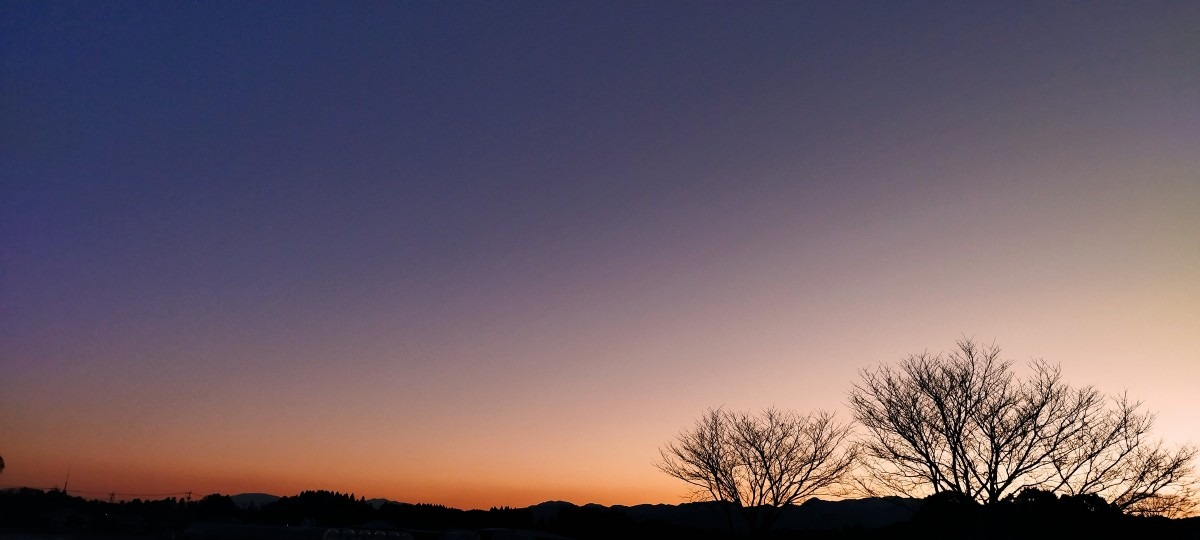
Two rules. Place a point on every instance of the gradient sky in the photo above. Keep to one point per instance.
(498, 253)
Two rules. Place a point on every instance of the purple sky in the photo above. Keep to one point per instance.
(497, 253)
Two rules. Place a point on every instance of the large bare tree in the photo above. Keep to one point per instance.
(964, 422)
(759, 464)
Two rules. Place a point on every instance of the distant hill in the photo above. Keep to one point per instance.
(376, 503)
(813, 514)
(312, 515)
(246, 500)
(549, 510)
(866, 513)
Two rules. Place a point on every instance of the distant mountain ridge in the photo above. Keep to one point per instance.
(376, 503)
(812, 514)
(246, 500)
(326, 515)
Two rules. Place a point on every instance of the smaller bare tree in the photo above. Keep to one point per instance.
(758, 465)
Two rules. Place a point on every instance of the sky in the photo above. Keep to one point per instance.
(498, 253)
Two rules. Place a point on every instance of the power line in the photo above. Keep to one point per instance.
(111, 494)
(128, 494)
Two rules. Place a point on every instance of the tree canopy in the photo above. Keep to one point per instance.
(964, 422)
(757, 464)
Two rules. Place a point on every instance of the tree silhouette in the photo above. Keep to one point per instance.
(757, 465)
(965, 423)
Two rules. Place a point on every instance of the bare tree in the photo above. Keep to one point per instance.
(1111, 455)
(757, 465)
(964, 423)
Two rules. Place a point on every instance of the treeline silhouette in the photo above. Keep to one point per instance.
(52, 511)
(945, 515)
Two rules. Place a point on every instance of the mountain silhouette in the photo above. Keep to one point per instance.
(246, 500)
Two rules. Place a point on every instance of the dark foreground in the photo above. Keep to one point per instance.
(319, 515)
